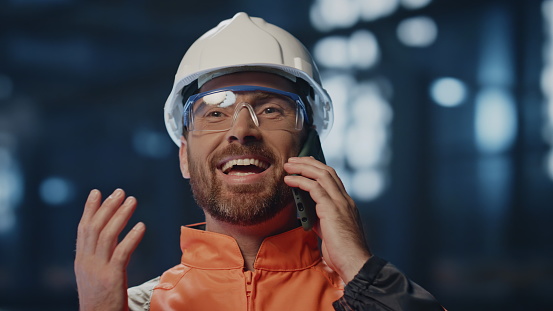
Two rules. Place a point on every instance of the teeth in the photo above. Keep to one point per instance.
(240, 174)
(244, 162)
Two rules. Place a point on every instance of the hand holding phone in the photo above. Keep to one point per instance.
(304, 203)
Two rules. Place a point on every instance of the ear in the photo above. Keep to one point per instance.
(183, 158)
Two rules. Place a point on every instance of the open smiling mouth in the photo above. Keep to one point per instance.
(243, 167)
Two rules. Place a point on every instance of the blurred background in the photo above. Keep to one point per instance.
(443, 134)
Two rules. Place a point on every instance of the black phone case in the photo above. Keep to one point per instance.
(305, 205)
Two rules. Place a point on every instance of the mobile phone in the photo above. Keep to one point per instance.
(305, 205)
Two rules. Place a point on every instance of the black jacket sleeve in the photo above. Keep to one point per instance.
(380, 286)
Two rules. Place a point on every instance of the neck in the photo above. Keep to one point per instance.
(249, 238)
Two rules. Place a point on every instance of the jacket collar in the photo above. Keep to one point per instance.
(293, 250)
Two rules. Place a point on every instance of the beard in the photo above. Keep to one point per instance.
(244, 205)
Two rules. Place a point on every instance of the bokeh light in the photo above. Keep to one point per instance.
(448, 92)
(326, 15)
(367, 184)
(56, 190)
(420, 31)
(374, 9)
(415, 4)
(495, 120)
(547, 81)
(360, 50)
(152, 144)
(11, 189)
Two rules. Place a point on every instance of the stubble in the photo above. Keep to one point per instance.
(244, 205)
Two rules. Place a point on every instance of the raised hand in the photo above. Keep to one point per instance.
(101, 261)
(339, 226)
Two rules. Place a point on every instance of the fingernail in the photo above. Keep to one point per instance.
(293, 159)
(138, 226)
(93, 194)
(116, 193)
(130, 200)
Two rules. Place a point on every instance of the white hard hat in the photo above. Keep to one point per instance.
(246, 43)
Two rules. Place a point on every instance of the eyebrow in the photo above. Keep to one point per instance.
(267, 94)
(257, 95)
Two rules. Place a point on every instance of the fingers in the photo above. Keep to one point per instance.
(107, 240)
(107, 209)
(312, 169)
(124, 250)
(102, 223)
(326, 189)
(95, 218)
(101, 262)
(91, 206)
(339, 226)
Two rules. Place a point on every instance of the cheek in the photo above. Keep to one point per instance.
(200, 147)
(289, 147)
(296, 145)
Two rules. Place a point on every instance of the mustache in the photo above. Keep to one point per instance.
(258, 149)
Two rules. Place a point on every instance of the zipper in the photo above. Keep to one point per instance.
(248, 276)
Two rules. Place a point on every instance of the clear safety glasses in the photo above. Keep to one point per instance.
(270, 109)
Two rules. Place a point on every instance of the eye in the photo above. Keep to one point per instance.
(270, 110)
(214, 114)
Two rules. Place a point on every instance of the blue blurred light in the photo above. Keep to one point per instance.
(495, 120)
(415, 4)
(369, 152)
(549, 164)
(547, 81)
(374, 9)
(496, 56)
(360, 51)
(152, 144)
(420, 31)
(367, 184)
(11, 189)
(448, 92)
(333, 52)
(341, 57)
(547, 11)
(338, 86)
(56, 190)
(369, 105)
(363, 49)
(326, 15)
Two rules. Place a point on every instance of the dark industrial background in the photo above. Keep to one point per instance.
(83, 84)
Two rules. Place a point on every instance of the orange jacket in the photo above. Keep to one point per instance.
(289, 275)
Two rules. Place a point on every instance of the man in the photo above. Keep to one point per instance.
(246, 97)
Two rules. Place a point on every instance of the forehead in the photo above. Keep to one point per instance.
(250, 78)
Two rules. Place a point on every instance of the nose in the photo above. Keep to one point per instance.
(244, 129)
